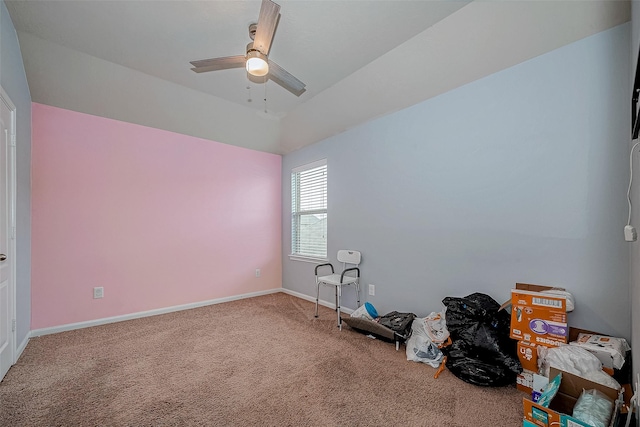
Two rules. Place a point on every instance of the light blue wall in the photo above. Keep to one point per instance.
(14, 81)
(517, 177)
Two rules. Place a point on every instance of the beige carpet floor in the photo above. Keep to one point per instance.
(263, 361)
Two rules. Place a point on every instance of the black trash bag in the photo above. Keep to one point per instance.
(482, 352)
(465, 313)
(501, 348)
(400, 323)
(471, 367)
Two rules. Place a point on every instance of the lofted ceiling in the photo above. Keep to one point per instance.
(129, 60)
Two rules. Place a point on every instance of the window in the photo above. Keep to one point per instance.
(309, 210)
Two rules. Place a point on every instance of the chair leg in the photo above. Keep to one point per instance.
(317, 296)
(338, 292)
(358, 292)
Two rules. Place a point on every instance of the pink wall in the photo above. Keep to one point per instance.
(157, 218)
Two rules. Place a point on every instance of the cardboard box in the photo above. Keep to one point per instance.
(531, 383)
(561, 407)
(526, 423)
(528, 355)
(540, 382)
(524, 381)
(538, 318)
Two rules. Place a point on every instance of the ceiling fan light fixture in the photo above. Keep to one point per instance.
(255, 60)
(257, 64)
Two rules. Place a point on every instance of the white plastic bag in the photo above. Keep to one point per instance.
(576, 361)
(435, 326)
(560, 292)
(419, 346)
(567, 358)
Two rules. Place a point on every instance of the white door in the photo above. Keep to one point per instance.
(7, 130)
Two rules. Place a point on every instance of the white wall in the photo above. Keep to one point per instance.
(517, 177)
(14, 82)
(73, 80)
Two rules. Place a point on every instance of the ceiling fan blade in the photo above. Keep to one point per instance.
(267, 22)
(214, 64)
(285, 79)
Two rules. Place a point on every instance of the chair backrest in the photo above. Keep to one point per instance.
(349, 257)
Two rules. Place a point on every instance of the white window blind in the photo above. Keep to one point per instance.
(309, 210)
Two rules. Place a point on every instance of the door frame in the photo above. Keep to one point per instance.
(12, 165)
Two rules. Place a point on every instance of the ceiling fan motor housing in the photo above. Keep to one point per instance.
(252, 31)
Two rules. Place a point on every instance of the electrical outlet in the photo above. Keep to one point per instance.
(98, 292)
(372, 290)
(630, 234)
(257, 272)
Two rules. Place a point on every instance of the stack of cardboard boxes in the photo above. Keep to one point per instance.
(540, 319)
(537, 318)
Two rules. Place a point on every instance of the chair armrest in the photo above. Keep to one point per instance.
(323, 265)
(349, 269)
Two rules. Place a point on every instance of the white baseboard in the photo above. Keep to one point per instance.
(106, 320)
(313, 300)
(22, 346)
(138, 315)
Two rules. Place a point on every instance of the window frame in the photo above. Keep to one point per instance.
(296, 213)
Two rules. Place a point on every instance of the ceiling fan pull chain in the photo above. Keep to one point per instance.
(265, 94)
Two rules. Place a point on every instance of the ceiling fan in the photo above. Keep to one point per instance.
(256, 59)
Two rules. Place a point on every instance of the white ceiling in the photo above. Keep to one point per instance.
(129, 60)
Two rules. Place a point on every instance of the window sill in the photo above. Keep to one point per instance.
(313, 260)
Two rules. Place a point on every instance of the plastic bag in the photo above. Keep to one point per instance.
(561, 292)
(482, 352)
(435, 326)
(420, 348)
(465, 315)
(574, 360)
(567, 358)
(594, 408)
(465, 362)
(603, 378)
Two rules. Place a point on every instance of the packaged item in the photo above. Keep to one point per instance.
(594, 408)
(611, 351)
(371, 310)
(550, 391)
(366, 311)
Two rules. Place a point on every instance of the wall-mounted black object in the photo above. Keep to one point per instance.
(635, 122)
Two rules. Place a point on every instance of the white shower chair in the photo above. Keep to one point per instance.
(350, 276)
